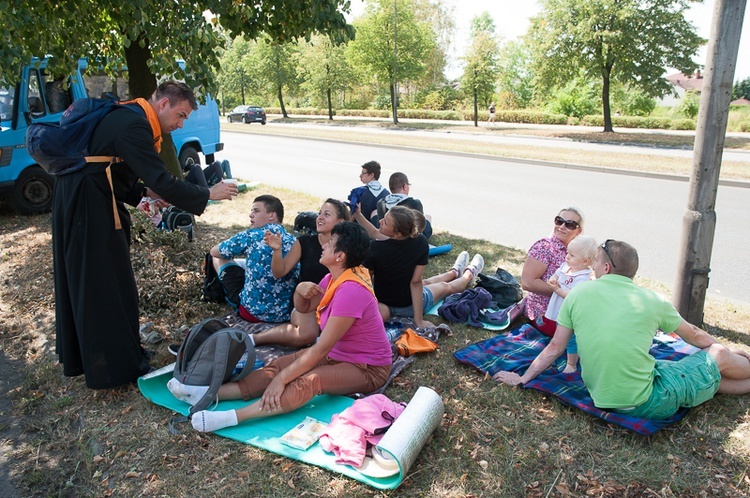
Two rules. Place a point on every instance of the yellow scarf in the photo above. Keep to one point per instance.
(153, 120)
(358, 274)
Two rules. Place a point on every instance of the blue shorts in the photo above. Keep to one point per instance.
(687, 382)
(428, 301)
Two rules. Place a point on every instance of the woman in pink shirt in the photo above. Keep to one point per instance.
(351, 355)
(545, 257)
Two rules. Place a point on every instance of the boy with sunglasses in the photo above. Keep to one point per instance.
(615, 322)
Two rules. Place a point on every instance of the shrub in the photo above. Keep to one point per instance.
(689, 104)
(744, 126)
(682, 124)
(636, 122)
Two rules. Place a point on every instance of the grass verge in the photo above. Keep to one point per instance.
(494, 440)
(347, 130)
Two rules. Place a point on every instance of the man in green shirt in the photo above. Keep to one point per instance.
(615, 321)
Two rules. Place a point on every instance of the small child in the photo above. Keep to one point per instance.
(576, 269)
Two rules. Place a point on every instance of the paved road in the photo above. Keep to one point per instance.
(510, 203)
(550, 142)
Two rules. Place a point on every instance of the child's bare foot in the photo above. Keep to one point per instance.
(569, 369)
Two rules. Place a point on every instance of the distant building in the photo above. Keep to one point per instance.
(740, 101)
(680, 84)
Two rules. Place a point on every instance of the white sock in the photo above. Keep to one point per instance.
(186, 393)
(206, 421)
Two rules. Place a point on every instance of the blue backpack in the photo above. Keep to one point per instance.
(64, 148)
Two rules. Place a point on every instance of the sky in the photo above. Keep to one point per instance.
(512, 20)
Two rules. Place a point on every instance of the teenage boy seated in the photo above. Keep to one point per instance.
(252, 289)
(368, 196)
(399, 196)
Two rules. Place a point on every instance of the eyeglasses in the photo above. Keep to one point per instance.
(569, 224)
(606, 251)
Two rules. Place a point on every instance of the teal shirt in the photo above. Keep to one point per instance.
(614, 322)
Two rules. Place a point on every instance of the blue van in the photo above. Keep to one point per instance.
(38, 97)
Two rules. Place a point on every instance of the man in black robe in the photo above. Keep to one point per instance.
(96, 299)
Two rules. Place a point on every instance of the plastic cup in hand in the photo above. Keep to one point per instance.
(233, 181)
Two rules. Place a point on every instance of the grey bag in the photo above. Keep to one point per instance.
(208, 356)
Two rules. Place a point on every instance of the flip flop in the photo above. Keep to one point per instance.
(153, 337)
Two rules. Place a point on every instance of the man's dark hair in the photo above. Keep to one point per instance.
(273, 205)
(176, 92)
(372, 167)
(623, 256)
(353, 241)
(397, 181)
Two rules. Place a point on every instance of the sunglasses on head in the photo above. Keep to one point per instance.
(606, 251)
(569, 224)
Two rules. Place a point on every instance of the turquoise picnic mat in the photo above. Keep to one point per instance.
(266, 433)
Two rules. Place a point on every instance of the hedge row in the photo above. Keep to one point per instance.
(534, 117)
(641, 122)
(529, 117)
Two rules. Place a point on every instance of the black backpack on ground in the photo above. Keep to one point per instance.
(208, 357)
(306, 222)
(503, 287)
(174, 218)
(213, 291)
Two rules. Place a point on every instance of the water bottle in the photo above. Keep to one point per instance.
(393, 330)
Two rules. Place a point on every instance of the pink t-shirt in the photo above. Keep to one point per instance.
(365, 341)
(550, 251)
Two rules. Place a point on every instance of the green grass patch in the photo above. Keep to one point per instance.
(494, 440)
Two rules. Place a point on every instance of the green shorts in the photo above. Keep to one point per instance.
(687, 382)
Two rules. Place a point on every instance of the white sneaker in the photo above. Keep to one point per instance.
(461, 261)
(477, 265)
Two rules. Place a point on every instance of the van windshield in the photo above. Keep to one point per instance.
(6, 103)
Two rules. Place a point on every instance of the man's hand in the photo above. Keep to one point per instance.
(425, 324)
(223, 191)
(510, 378)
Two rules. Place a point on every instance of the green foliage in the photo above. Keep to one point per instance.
(741, 89)
(324, 68)
(373, 47)
(689, 104)
(531, 117)
(482, 65)
(483, 23)
(68, 29)
(654, 123)
(441, 98)
(632, 101)
(515, 79)
(274, 67)
(597, 36)
(574, 99)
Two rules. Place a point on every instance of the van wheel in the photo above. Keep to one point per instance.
(33, 191)
(188, 158)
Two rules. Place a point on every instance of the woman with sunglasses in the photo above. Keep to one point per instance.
(545, 257)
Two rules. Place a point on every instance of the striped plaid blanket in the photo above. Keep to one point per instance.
(515, 350)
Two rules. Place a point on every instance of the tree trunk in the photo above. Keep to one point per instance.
(140, 80)
(605, 102)
(394, 104)
(143, 84)
(168, 154)
(476, 109)
(330, 107)
(281, 103)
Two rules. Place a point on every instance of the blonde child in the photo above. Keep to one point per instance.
(576, 269)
